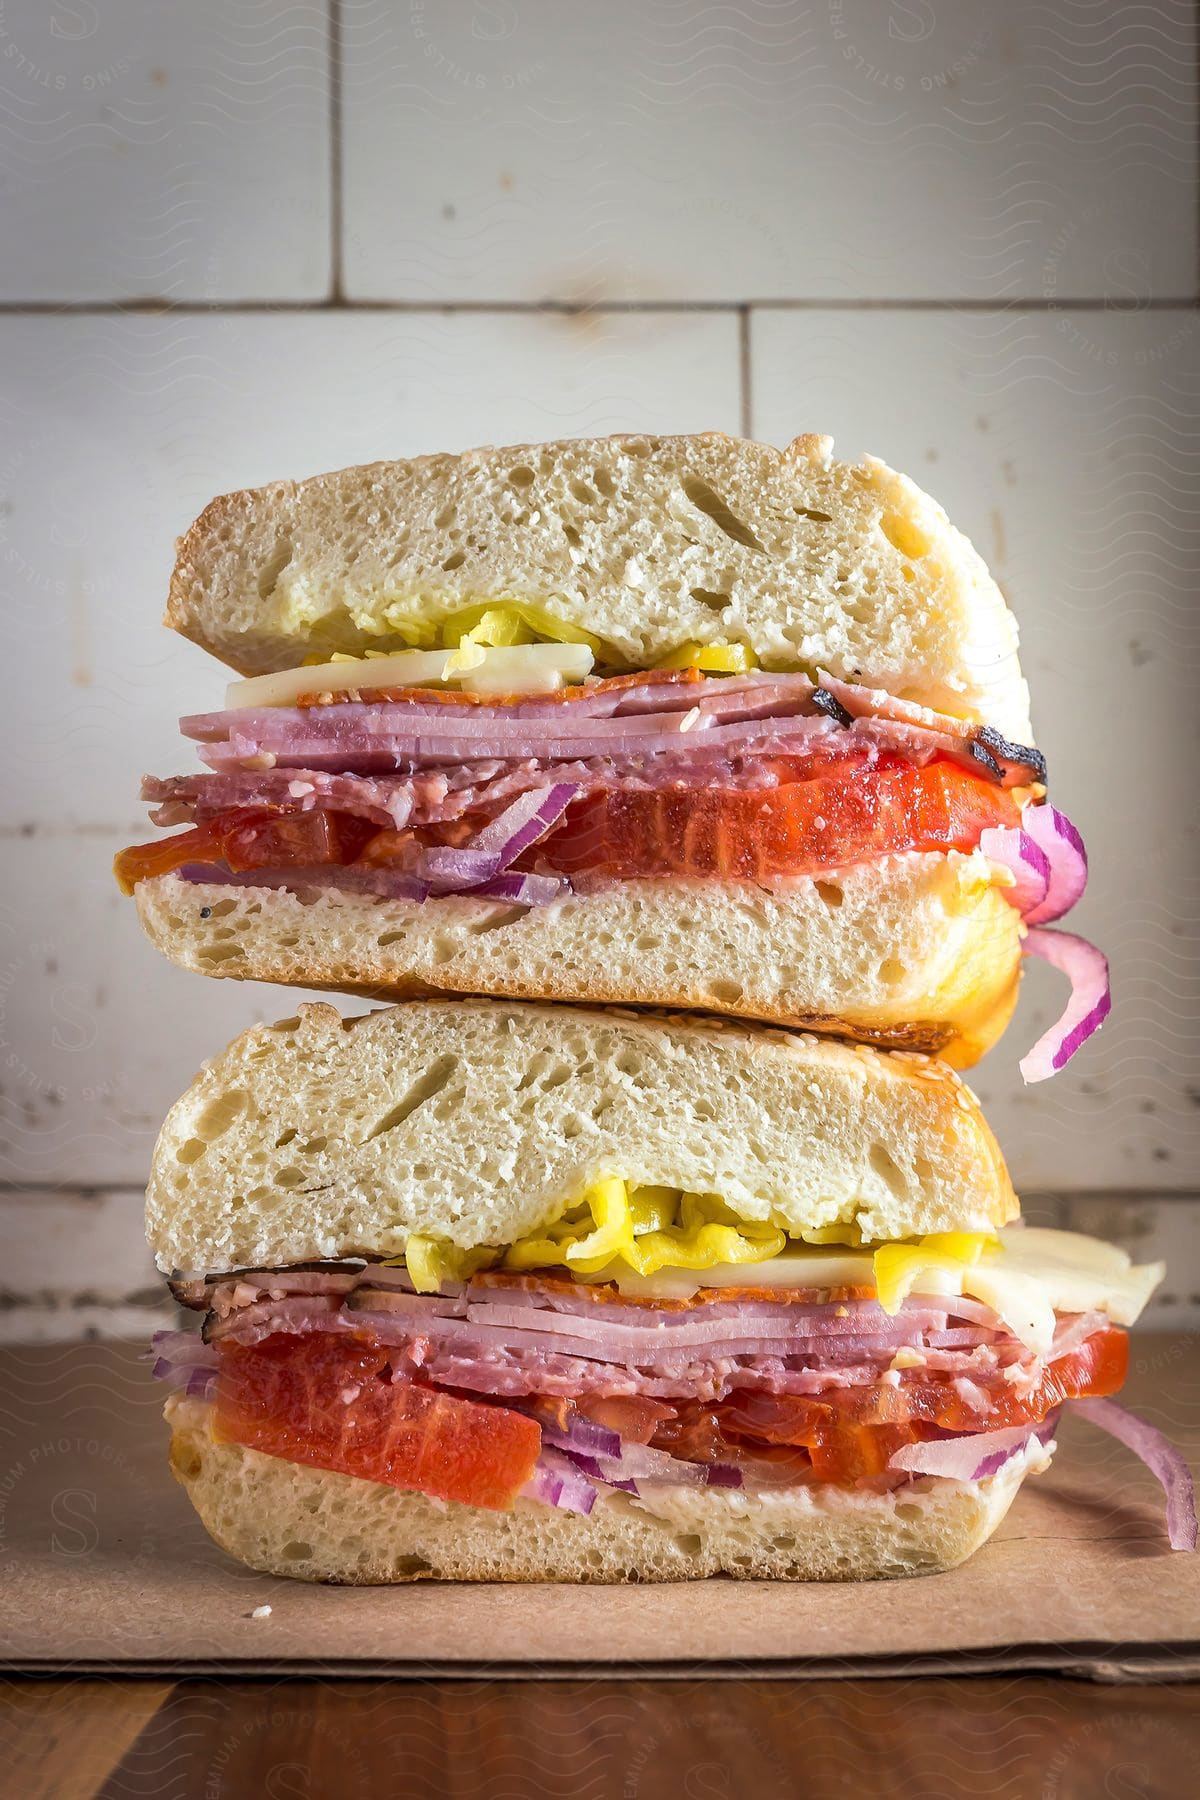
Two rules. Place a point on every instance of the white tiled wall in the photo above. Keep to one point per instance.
(255, 238)
(163, 149)
(843, 148)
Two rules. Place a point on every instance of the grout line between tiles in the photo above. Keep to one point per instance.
(336, 207)
(576, 309)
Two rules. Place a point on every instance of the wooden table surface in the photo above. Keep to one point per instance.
(987, 1737)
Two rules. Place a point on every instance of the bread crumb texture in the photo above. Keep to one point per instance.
(918, 951)
(478, 1121)
(645, 542)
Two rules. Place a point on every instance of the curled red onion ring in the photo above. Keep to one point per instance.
(1060, 842)
(1160, 1457)
(1091, 999)
(1015, 850)
(1047, 858)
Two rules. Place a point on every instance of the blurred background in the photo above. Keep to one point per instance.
(261, 238)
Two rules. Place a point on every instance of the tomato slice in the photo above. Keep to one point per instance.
(1098, 1366)
(848, 812)
(850, 1433)
(635, 1417)
(330, 1402)
(280, 840)
(250, 839)
(142, 862)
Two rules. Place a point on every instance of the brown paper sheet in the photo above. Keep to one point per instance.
(105, 1566)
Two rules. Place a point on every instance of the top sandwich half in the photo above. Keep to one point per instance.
(646, 545)
(679, 721)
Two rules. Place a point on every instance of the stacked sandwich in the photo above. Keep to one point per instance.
(511, 1280)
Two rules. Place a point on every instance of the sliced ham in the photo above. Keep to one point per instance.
(747, 715)
(1014, 764)
(397, 800)
(389, 803)
(224, 1294)
(511, 1335)
(424, 759)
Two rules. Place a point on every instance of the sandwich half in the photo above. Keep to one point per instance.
(499, 1291)
(685, 722)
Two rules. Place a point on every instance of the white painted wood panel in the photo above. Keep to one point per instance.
(77, 1264)
(153, 149)
(868, 149)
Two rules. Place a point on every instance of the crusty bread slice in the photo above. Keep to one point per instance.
(918, 952)
(477, 1121)
(646, 542)
(286, 1519)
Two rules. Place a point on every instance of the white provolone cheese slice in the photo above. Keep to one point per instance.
(1028, 1278)
(482, 669)
(798, 1268)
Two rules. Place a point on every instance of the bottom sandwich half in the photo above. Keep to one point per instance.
(505, 1292)
(288, 1519)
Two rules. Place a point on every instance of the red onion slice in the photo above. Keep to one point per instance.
(1091, 999)
(182, 1347)
(448, 871)
(589, 1466)
(388, 884)
(641, 1463)
(186, 1361)
(557, 1482)
(630, 1475)
(525, 821)
(1160, 1457)
(497, 846)
(1016, 851)
(1062, 845)
(528, 890)
(604, 1456)
(583, 1435)
(972, 1456)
